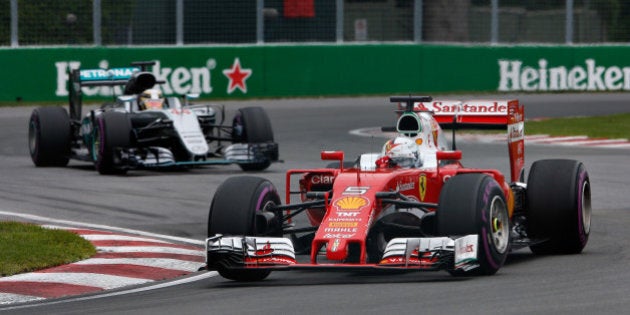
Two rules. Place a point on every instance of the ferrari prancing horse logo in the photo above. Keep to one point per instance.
(422, 186)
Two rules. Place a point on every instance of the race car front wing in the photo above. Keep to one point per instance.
(277, 253)
(238, 153)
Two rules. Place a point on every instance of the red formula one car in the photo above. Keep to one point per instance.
(413, 206)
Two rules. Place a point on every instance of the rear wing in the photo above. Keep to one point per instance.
(478, 114)
(135, 79)
(487, 114)
(474, 114)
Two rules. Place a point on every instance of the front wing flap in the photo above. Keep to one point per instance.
(251, 152)
(255, 252)
(155, 157)
(433, 253)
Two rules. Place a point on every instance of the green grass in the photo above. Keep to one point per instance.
(27, 247)
(612, 126)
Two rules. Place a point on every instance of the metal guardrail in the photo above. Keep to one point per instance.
(201, 22)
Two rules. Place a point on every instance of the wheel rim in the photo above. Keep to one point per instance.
(499, 225)
(266, 205)
(32, 137)
(586, 207)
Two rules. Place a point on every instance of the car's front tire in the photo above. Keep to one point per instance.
(475, 204)
(112, 130)
(252, 125)
(233, 211)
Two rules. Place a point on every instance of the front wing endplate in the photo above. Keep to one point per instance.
(433, 253)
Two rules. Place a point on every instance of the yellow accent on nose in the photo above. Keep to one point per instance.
(351, 203)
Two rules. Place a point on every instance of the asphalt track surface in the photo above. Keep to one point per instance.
(176, 203)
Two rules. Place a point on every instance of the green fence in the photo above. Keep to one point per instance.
(226, 72)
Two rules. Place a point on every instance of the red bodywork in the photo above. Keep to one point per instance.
(352, 206)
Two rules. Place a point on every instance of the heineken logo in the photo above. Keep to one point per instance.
(177, 80)
(514, 75)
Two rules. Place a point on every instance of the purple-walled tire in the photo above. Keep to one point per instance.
(112, 131)
(475, 204)
(236, 211)
(558, 208)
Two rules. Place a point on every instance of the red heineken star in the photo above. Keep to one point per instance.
(237, 77)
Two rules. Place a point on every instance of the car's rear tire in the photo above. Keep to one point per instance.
(112, 130)
(49, 136)
(233, 211)
(558, 209)
(252, 125)
(475, 204)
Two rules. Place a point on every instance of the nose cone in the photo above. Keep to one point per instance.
(336, 249)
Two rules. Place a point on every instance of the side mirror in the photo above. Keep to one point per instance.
(190, 96)
(128, 101)
(126, 98)
(449, 155)
(332, 156)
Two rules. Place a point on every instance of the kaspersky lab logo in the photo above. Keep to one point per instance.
(514, 75)
(178, 80)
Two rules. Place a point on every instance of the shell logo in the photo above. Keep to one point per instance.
(351, 203)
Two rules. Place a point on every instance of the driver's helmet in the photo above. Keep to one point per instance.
(151, 99)
(402, 151)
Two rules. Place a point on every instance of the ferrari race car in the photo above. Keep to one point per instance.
(411, 207)
(142, 129)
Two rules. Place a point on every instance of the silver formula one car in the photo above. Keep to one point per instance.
(129, 134)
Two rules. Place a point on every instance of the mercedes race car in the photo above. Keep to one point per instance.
(142, 129)
(411, 207)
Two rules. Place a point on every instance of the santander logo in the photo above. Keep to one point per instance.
(485, 108)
